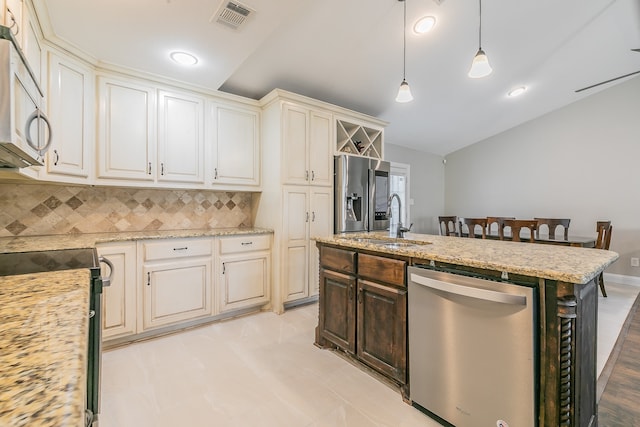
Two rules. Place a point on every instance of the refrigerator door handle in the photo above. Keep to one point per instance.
(471, 292)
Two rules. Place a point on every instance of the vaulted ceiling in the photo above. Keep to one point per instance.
(350, 53)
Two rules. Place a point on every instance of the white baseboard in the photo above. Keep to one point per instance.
(622, 279)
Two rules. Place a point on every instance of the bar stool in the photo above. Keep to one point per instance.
(448, 225)
(552, 224)
(604, 229)
(471, 224)
(518, 224)
(500, 221)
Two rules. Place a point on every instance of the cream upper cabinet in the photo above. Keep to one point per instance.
(308, 213)
(71, 112)
(180, 138)
(31, 46)
(119, 300)
(235, 136)
(126, 130)
(244, 272)
(176, 280)
(306, 146)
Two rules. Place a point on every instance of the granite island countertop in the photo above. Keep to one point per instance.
(563, 263)
(89, 240)
(43, 348)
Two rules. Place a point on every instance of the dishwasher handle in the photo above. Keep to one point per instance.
(471, 292)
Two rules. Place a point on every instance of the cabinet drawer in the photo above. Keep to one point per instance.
(381, 269)
(176, 248)
(229, 245)
(338, 259)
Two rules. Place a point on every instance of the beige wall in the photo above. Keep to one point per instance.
(580, 162)
(427, 185)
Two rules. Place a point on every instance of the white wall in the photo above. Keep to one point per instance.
(580, 162)
(426, 183)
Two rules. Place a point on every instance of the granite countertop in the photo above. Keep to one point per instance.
(563, 263)
(89, 240)
(43, 348)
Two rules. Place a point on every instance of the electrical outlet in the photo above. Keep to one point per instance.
(635, 262)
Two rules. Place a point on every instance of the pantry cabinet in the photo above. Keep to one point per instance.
(119, 300)
(244, 271)
(71, 111)
(235, 145)
(126, 130)
(176, 281)
(307, 136)
(308, 212)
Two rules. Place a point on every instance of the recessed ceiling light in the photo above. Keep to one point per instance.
(183, 58)
(517, 91)
(424, 24)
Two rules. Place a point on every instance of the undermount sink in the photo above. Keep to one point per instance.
(388, 243)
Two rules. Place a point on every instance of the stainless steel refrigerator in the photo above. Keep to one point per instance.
(361, 192)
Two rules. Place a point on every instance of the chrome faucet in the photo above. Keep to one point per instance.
(399, 230)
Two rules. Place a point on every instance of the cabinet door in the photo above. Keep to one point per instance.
(244, 280)
(296, 243)
(320, 145)
(31, 46)
(295, 154)
(126, 130)
(71, 112)
(180, 138)
(382, 328)
(320, 225)
(119, 300)
(176, 291)
(236, 155)
(337, 317)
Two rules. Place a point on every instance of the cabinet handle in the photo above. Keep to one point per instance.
(57, 158)
(149, 169)
(184, 248)
(224, 268)
(148, 279)
(313, 175)
(351, 293)
(215, 173)
(92, 313)
(14, 22)
(313, 216)
(162, 168)
(246, 243)
(307, 218)
(306, 175)
(360, 296)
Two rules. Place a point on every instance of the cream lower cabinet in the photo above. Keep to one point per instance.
(119, 302)
(176, 281)
(308, 213)
(244, 271)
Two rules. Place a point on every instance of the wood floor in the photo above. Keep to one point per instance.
(620, 401)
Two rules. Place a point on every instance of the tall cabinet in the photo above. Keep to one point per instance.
(297, 197)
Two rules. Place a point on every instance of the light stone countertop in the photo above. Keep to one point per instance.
(89, 240)
(43, 348)
(563, 263)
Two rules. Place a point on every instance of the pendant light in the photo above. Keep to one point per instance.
(404, 93)
(480, 66)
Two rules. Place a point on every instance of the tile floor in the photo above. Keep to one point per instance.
(263, 370)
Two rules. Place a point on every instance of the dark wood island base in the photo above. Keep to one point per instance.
(363, 314)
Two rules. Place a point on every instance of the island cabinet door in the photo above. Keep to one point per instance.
(337, 311)
(382, 328)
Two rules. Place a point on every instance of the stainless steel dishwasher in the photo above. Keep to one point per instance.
(472, 349)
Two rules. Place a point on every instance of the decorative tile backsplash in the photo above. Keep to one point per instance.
(45, 209)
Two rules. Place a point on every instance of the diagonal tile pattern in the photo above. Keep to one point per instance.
(37, 209)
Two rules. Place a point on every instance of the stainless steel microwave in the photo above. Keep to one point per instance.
(25, 132)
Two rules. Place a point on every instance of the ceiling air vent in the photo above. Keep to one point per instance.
(232, 14)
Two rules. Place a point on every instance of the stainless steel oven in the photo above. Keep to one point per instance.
(70, 259)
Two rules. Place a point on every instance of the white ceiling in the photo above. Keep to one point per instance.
(349, 53)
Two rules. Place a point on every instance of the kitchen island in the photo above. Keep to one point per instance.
(363, 307)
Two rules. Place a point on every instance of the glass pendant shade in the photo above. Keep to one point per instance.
(404, 93)
(480, 66)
